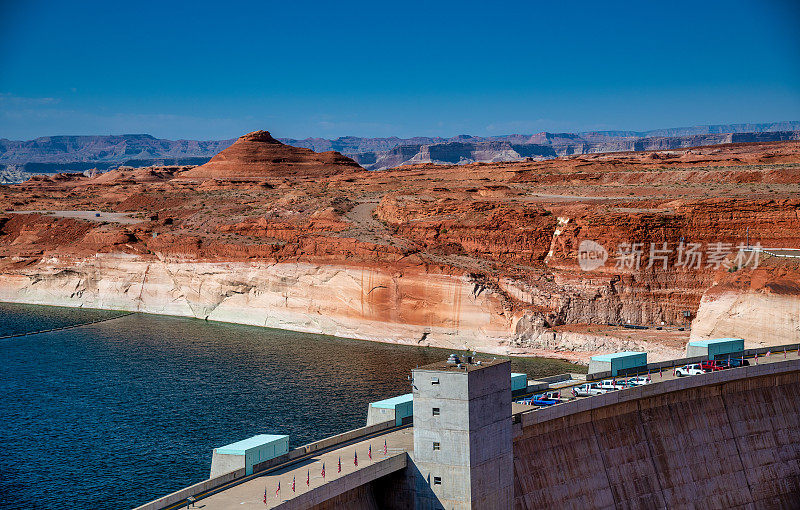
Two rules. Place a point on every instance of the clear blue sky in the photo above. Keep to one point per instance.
(211, 70)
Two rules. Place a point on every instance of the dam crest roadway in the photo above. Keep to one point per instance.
(727, 438)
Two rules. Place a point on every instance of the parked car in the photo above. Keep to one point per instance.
(588, 390)
(610, 385)
(685, 370)
(638, 381)
(733, 363)
(710, 366)
(543, 400)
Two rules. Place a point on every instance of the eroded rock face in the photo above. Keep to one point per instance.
(356, 302)
(481, 255)
(258, 155)
(760, 306)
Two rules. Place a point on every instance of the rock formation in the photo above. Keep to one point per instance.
(52, 154)
(257, 155)
(482, 256)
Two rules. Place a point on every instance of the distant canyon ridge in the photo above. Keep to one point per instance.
(481, 256)
(19, 160)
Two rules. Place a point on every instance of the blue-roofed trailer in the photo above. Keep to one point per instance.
(247, 453)
(400, 409)
(716, 348)
(617, 361)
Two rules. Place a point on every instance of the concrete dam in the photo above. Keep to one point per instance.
(726, 439)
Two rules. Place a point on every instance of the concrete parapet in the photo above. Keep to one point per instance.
(726, 439)
(181, 495)
(318, 496)
(669, 364)
(219, 481)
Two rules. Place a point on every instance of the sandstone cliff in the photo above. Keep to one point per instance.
(759, 306)
(483, 256)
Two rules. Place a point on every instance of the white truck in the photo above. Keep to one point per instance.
(638, 381)
(610, 385)
(685, 370)
(588, 390)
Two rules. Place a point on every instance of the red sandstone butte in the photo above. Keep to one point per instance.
(259, 155)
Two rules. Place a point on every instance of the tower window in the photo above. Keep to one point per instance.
(437, 480)
(435, 380)
(436, 445)
(436, 411)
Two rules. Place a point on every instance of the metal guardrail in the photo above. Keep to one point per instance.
(775, 252)
(208, 488)
(670, 364)
(659, 366)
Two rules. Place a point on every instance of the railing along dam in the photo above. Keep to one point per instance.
(722, 440)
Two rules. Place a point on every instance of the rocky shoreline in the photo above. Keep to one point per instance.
(410, 308)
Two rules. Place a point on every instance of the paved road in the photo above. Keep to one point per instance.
(98, 216)
(656, 377)
(250, 495)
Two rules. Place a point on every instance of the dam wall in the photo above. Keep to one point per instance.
(722, 440)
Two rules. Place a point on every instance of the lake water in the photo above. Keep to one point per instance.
(114, 414)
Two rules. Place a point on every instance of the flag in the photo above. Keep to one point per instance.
(308, 478)
(369, 452)
(384, 446)
(340, 463)
(355, 459)
(323, 470)
(278, 490)
(293, 484)
(265, 495)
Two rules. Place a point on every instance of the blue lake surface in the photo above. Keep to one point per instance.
(116, 413)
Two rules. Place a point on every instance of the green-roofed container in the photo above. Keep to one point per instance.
(247, 453)
(400, 409)
(716, 348)
(617, 361)
(519, 382)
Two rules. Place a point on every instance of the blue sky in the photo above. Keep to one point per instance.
(212, 70)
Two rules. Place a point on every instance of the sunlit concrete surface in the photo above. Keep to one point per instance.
(251, 493)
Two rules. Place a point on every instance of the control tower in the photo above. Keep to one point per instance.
(462, 434)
